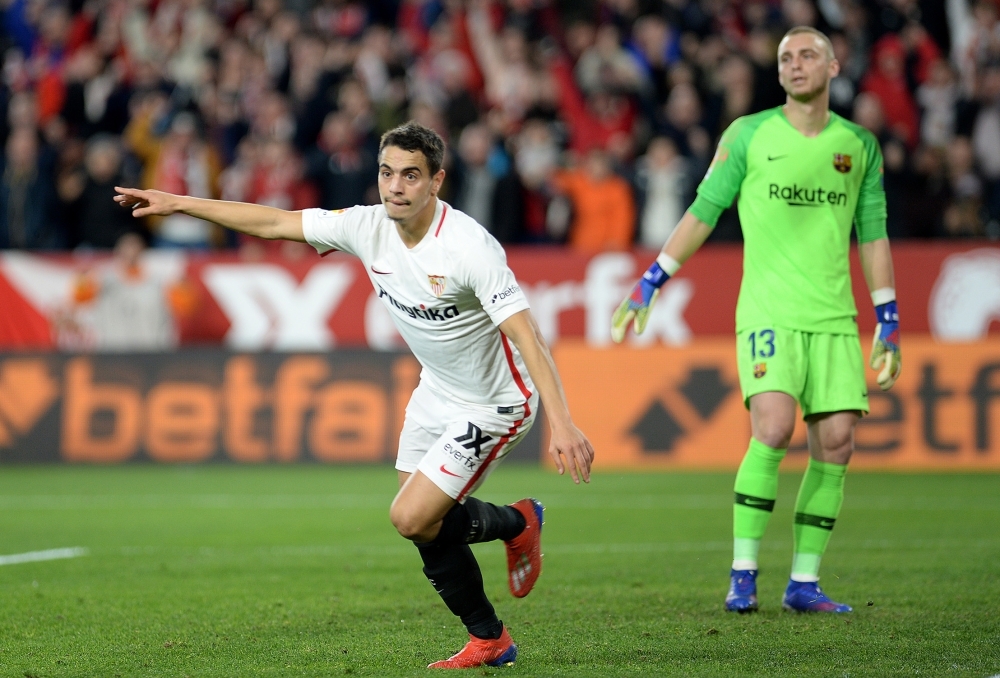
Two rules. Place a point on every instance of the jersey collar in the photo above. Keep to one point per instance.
(440, 210)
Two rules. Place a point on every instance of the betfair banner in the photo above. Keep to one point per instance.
(656, 407)
(206, 406)
(663, 407)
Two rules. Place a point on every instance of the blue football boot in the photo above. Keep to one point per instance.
(807, 596)
(742, 596)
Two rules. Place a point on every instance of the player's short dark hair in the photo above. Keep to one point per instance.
(412, 136)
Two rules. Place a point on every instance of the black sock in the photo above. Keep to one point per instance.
(478, 521)
(454, 573)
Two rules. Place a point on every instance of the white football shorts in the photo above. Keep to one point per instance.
(458, 446)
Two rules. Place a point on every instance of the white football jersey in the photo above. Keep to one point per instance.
(446, 296)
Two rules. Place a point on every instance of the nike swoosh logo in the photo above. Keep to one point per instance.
(449, 473)
(827, 523)
(375, 270)
(754, 502)
(777, 157)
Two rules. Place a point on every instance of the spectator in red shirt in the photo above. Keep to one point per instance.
(887, 81)
(593, 119)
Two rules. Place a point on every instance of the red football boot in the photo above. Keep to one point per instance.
(482, 652)
(524, 552)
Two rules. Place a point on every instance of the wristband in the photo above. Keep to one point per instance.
(668, 263)
(655, 275)
(887, 312)
(661, 270)
(883, 295)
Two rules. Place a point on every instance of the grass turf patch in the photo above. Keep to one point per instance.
(286, 571)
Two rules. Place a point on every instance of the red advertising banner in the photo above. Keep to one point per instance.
(950, 291)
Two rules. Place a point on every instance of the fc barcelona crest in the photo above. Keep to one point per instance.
(437, 284)
(759, 370)
(842, 163)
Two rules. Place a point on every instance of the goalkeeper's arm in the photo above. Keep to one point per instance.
(876, 262)
(689, 235)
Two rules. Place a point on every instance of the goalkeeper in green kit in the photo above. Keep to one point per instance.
(804, 177)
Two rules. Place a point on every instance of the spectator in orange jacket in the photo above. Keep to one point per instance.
(178, 161)
(602, 202)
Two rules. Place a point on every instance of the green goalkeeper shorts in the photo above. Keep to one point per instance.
(823, 372)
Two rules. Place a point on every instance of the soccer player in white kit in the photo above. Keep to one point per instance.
(447, 286)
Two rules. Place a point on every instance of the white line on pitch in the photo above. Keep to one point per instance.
(50, 554)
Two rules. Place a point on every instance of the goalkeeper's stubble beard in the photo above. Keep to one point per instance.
(812, 96)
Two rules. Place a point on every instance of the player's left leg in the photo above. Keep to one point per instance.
(422, 512)
(454, 573)
(425, 514)
(434, 510)
(817, 508)
(456, 464)
(518, 525)
(833, 404)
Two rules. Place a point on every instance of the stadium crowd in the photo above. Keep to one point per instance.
(585, 122)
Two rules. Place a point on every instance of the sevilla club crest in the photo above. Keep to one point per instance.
(437, 284)
(842, 163)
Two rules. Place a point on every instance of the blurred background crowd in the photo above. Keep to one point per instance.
(586, 122)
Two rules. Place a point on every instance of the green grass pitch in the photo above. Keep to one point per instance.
(296, 571)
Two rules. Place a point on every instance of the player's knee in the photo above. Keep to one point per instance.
(776, 434)
(408, 524)
(838, 451)
(772, 418)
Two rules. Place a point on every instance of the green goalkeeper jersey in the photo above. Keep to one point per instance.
(798, 198)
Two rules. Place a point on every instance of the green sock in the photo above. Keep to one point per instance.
(816, 509)
(756, 489)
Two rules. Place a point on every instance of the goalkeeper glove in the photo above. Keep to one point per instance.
(885, 347)
(638, 304)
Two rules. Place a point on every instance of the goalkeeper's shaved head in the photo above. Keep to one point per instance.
(819, 35)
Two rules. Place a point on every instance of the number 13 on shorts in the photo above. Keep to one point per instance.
(761, 356)
(761, 344)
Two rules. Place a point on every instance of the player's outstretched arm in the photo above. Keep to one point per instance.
(257, 220)
(876, 262)
(685, 240)
(567, 441)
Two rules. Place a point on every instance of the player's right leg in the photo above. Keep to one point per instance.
(772, 416)
(769, 370)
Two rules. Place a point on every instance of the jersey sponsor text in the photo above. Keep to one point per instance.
(506, 293)
(433, 314)
(467, 461)
(800, 196)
